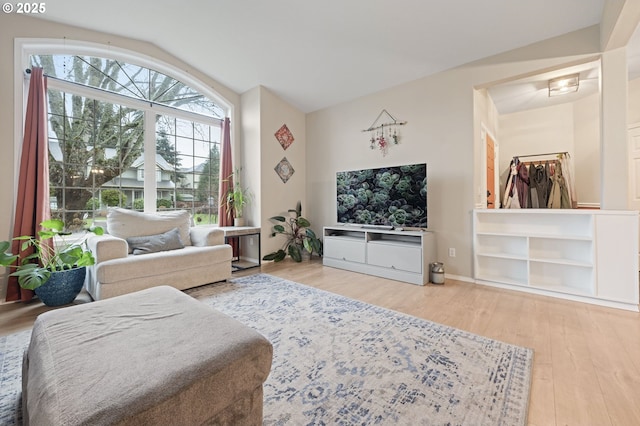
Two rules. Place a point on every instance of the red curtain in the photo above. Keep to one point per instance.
(226, 172)
(32, 204)
(226, 182)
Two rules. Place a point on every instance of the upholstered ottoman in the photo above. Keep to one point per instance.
(153, 357)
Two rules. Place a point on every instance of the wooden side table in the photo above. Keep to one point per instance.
(239, 233)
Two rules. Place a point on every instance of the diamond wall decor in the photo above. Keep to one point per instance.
(284, 136)
(284, 169)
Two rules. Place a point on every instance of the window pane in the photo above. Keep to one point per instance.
(92, 154)
(196, 167)
(96, 146)
(129, 80)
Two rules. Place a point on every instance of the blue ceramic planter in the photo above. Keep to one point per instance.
(62, 288)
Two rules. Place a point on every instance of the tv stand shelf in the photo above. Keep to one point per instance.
(397, 255)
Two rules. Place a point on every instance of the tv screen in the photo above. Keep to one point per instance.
(390, 196)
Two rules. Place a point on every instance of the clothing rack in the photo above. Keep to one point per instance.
(552, 190)
(540, 155)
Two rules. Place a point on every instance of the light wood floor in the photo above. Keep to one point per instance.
(587, 358)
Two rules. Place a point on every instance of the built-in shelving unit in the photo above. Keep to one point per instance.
(584, 255)
(398, 255)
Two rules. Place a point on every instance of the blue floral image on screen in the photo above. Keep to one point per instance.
(394, 196)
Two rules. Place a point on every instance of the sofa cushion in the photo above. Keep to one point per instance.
(125, 223)
(169, 240)
(161, 263)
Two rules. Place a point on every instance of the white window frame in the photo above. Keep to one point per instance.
(25, 47)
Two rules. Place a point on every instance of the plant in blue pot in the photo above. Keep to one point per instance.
(53, 264)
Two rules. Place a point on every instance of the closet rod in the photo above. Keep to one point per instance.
(538, 155)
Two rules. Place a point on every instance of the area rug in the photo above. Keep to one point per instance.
(342, 361)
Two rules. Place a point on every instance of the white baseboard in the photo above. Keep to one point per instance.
(459, 278)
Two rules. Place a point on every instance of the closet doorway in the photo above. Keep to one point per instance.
(492, 178)
(634, 166)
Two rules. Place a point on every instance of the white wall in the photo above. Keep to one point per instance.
(634, 101)
(263, 113)
(536, 131)
(613, 144)
(586, 154)
(442, 130)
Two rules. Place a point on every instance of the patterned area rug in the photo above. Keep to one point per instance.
(341, 361)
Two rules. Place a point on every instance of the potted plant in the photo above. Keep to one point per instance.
(300, 238)
(236, 199)
(54, 269)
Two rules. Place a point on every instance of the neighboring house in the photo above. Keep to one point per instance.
(131, 181)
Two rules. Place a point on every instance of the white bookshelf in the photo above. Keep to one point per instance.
(584, 255)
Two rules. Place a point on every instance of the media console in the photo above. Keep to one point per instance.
(397, 255)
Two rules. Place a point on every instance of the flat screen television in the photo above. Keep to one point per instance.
(387, 196)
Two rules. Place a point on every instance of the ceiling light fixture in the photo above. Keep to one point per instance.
(563, 85)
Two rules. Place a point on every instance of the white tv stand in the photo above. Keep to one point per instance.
(397, 255)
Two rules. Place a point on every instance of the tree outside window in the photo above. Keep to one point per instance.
(97, 143)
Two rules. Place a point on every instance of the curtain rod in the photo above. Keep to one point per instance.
(151, 103)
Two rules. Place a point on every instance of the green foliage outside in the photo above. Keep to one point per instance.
(205, 219)
(163, 203)
(93, 203)
(138, 204)
(113, 198)
(209, 182)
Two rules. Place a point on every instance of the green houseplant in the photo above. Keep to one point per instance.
(45, 259)
(237, 198)
(300, 237)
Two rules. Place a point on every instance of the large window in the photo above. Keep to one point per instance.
(103, 152)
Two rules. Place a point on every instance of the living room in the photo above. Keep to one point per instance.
(445, 113)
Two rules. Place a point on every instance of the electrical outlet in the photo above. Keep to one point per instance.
(452, 252)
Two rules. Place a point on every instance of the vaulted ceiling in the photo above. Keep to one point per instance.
(315, 54)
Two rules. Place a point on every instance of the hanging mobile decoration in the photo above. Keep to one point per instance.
(378, 138)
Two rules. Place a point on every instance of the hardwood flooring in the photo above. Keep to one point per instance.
(587, 358)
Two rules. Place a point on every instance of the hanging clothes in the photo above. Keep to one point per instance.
(567, 172)
(559, 197)
(534, 203)
(539, 184)
(522, 185)
(510, 188)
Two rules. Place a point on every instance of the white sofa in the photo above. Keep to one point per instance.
(142, 250)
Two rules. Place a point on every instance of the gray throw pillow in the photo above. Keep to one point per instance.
(169, 240)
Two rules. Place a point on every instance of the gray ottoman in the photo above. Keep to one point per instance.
(154, 357)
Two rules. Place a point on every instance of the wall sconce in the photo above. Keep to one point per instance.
(563, 85)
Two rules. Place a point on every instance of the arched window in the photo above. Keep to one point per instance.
(122, 133)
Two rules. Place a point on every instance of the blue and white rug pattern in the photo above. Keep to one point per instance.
(12, 348)
(345, 362)
(342, 361)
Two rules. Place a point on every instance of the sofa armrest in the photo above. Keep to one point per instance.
(107, 247)
(206, 236)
